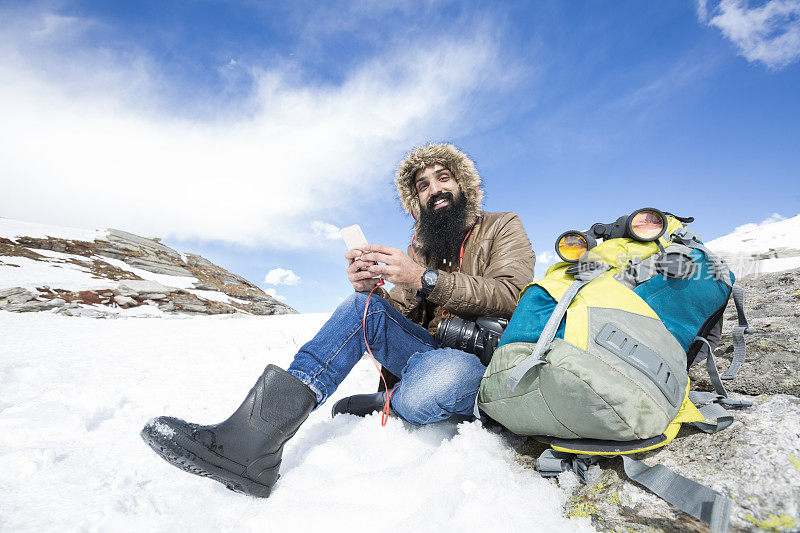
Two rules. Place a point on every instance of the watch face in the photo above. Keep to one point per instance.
(430, 277)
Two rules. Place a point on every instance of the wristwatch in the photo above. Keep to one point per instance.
(429, 279)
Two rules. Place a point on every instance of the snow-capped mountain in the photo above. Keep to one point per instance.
(753, 249)
(104, 273)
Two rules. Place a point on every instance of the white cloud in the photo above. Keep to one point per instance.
(543, 261)
(272, 292)
(702, 10)
(769, 34)
(325, 230)
(84, 140)
(281, 276)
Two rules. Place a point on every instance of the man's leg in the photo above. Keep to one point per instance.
(244, 451)
(436, 385)
(324, 361)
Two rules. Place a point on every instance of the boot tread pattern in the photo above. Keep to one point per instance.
(175, 455)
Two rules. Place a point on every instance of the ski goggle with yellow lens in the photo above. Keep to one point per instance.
(645, 225)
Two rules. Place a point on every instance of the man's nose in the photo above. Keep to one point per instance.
(435, 188)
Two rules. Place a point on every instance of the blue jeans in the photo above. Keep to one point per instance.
(435, 383)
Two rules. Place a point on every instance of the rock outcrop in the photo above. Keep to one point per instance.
(772, 303)
(132, 264)
(756, 460)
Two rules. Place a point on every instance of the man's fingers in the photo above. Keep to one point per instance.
(361, 275)
(353, 267)
(357, 265)
(380, 248)
(355, 274)
(377, 256)
(353, 253)
(384, 270)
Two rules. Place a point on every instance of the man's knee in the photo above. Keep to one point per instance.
(435, 384)
(358, 300)
(354, 299)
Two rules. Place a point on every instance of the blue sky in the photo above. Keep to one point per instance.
(248, 132)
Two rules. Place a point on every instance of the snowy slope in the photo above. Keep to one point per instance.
(64, 270)
(12, 229)
(74, 393)
(752, 249)
(50, 261)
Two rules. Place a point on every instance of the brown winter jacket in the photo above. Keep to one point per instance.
(498, 258)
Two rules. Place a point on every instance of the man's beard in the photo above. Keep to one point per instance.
(442, 231)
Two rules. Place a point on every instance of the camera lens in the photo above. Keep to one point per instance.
(456, 333)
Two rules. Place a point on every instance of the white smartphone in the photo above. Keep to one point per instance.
(353, 237)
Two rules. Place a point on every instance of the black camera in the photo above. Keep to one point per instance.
(479, 337)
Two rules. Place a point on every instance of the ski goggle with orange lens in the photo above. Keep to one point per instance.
(645, 225)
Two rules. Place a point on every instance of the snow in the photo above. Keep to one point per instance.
(142, 311)
(162, 429)
(773, 233)
(61, 275)
(65, 275)
(58, 272)
(215, 296)
(741, 248)
(777, 264)
(179, 282)
(11, 229)
(76, 392)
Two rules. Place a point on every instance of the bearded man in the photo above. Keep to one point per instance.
(462, 261)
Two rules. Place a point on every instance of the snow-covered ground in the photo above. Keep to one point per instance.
(56, 271)
(11, 229)
(74, 393)
(753, 249)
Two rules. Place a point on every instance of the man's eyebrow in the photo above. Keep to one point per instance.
(437, 173)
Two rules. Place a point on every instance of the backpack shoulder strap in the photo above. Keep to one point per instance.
(582, 277)
(739, 345)
(691, 497)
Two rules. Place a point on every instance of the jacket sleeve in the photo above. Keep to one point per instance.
(509, 269)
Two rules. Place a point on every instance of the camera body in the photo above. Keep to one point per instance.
(479, 337)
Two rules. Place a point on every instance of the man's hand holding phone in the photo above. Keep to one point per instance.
(396, 268)
(357, 269)
(363, 269)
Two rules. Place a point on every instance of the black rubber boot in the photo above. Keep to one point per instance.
(244, 451)
(360, 404)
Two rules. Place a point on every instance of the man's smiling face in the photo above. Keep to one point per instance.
(436, 187)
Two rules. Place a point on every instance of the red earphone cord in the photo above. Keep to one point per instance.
(445, 314)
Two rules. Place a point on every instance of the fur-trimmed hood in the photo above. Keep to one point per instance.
(453, 159)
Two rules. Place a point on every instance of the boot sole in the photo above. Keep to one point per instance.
(353, 405)
(175, 454)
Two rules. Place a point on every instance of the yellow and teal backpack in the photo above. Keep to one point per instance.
(595, 360)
